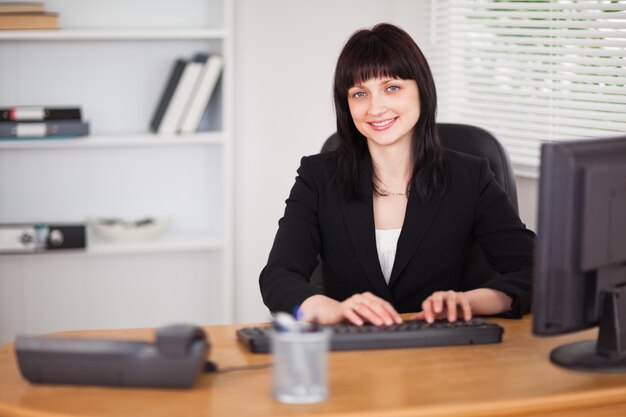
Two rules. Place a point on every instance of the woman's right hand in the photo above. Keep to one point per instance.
(357, 309)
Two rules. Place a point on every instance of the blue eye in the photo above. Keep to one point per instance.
(393, 88)
(358, 94)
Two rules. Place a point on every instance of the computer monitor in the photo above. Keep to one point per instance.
(580, 262)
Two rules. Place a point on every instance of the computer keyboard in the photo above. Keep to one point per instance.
(410, 333)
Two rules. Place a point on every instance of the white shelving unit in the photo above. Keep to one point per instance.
(113, 59)
(117, 141)
(109, 34)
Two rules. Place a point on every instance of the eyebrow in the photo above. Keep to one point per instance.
(384, 81)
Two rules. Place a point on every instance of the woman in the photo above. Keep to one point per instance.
(391, 213)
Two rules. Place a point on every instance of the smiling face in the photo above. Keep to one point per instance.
(385, 110)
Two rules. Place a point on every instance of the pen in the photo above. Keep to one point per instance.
(285, 323)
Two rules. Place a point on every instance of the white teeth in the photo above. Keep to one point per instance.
(381, 124)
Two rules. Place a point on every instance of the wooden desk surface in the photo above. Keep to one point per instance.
(511, 378)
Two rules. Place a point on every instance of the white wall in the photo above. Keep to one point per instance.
(285, 55)
(527, 199)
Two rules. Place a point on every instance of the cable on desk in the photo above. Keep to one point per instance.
(212, 367)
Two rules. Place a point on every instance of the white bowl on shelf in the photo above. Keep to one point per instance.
(121, 230)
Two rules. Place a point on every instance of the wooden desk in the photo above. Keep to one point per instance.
(512, 378)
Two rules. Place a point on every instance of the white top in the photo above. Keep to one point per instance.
(386, 243)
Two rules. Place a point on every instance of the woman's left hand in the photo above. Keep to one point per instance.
(445, 305)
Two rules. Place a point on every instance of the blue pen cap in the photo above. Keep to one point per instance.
(298, 314)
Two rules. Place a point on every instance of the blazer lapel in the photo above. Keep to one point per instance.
(359, 215)
(417, 220)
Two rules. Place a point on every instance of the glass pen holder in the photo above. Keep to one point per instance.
(300, 365)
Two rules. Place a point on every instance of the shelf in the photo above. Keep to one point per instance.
(115, 141)
(165, 244)
(112, 34)
(168, 244)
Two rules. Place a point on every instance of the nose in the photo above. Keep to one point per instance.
(377, 105)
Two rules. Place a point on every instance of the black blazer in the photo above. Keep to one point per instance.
(430, 251)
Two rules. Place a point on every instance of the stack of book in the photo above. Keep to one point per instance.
(41, 122)
(14, 16)
(187, 94)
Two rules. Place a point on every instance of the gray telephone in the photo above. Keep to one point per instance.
(174, 360)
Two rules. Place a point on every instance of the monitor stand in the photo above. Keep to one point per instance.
(608, 353)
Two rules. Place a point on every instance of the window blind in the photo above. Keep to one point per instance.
(534, 71)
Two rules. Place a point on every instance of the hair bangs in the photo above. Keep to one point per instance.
(373, 58)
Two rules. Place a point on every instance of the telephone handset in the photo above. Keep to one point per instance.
(174, 360)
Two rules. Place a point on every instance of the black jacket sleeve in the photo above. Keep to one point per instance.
(507, 244)
(284, 281)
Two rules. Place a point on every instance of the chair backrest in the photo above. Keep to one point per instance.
(471, 140)
(474, 141)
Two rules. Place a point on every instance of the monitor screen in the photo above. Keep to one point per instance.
(580, 261)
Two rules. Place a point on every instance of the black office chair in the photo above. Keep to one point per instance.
(474, 141)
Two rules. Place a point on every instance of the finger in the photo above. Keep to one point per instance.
(437, 302)
(392, 312)
(367, 313)
(395, 317)
(375, 305)
(376, 308)
(352, 317)
(466, 307)
(427, 310)
(381, 307)
(451, 305)
(358, 305)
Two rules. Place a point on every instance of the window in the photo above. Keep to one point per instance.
(533, 71)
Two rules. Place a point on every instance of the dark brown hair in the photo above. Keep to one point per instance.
(387, 51)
